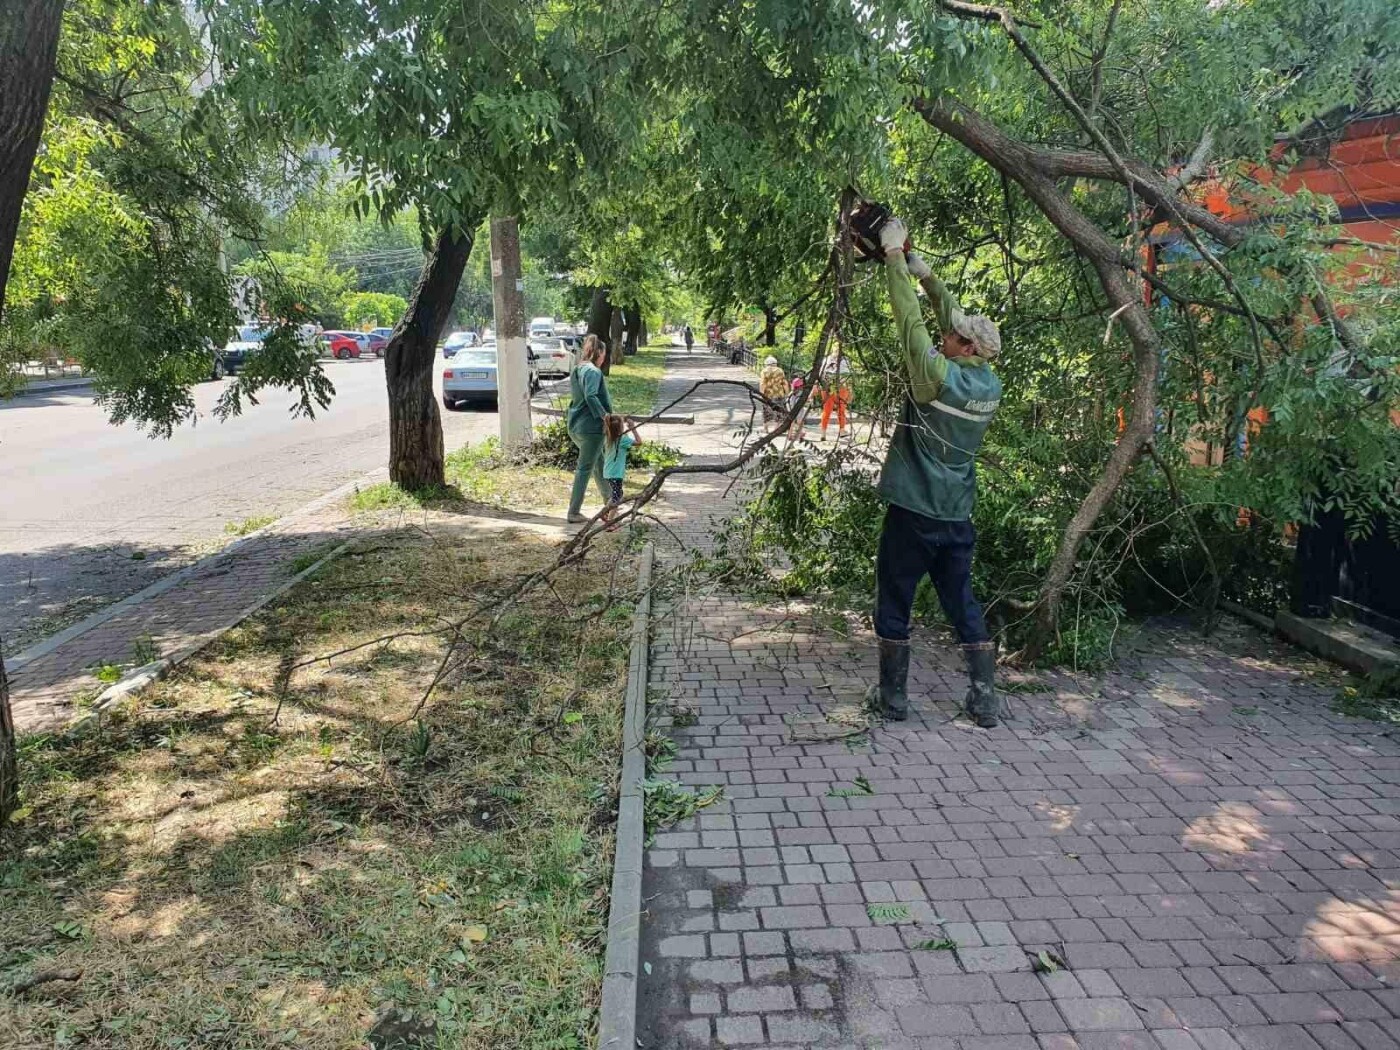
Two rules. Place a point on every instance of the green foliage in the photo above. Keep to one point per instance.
(888, 913)
(319, 287)
(1377, 697)
(372, 309)
(860, 786)
(117, 264)
(667, 801)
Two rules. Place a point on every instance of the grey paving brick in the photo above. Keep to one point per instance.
(936, 1020)
(761, 999)
(995, 959)
(1042, 1016)
(1097, 1015)
(682, 946)
(799, 1029)
(999, 1019)
(1297, 1007)
(960, 988)
(822, 940)
(717, 971)
(738, 1031)
(1274, 1037)
(764, 943)
(816, 997)
(792, 918)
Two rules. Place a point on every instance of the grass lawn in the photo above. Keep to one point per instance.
(227, 876)
(478, 475)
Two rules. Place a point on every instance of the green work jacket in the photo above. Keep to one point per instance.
(931, 465)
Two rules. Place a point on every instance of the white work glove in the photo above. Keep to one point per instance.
(893, 235)
(917, 267)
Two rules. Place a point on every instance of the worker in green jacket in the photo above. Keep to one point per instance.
(929, 480)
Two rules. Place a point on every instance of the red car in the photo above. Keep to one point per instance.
(345, 345)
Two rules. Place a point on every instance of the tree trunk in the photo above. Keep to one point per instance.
(29, 31)
(615, 343)
(415, 427)
(770, 326)
(1020, 162)
(632, 317)
(9, 764)
(642, 334)
(600, 314)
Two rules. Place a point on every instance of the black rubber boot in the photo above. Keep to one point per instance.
(983, 704)
(891, 698)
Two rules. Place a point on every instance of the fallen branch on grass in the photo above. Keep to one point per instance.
(42, 977)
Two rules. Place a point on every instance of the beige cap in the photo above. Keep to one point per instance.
(980, 331)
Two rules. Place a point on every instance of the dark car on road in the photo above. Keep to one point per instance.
(247, 341)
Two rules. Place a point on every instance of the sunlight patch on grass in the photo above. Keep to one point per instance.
(224, 879)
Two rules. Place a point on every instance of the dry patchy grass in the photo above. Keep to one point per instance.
(229, 880)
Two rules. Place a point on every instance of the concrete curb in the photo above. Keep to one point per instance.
(53, 386)
(617, 1016)
(18, 660)
(142, 678)
(670, 418)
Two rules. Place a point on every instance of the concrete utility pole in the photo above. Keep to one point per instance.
(512, 351)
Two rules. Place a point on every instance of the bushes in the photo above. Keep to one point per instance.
(553, 448)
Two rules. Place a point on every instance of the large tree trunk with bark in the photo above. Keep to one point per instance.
(1021, 163)
(600, 312)
(615, 341)
(415, 426)
(29, 31)
(9, 764)
(770, 326)
(632, 318)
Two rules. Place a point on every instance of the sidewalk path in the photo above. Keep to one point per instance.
(47, 691)
(1208, 856)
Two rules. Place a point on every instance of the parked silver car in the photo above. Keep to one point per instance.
(470, 377)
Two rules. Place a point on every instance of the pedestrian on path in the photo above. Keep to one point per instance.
(773, 385)
(929, 480)
(588, 404)
(689, 336)
(618, 437)
(799, 421)
(836, 395)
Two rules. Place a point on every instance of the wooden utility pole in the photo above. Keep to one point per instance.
(512, 349)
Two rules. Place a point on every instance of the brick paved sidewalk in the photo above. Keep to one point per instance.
(47, 691)
(1210, 851)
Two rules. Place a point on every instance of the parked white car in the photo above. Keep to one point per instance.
(541, 327)
(553, 357)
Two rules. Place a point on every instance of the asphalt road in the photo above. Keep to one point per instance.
(92, 512)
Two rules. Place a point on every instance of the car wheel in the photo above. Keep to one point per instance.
(535, 385)
(448, 403)
(218, 372)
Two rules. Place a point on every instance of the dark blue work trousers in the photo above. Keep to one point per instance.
(912, 546)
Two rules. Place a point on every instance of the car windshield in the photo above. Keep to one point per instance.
(457, 339)
(251, 334)
(474, 357)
